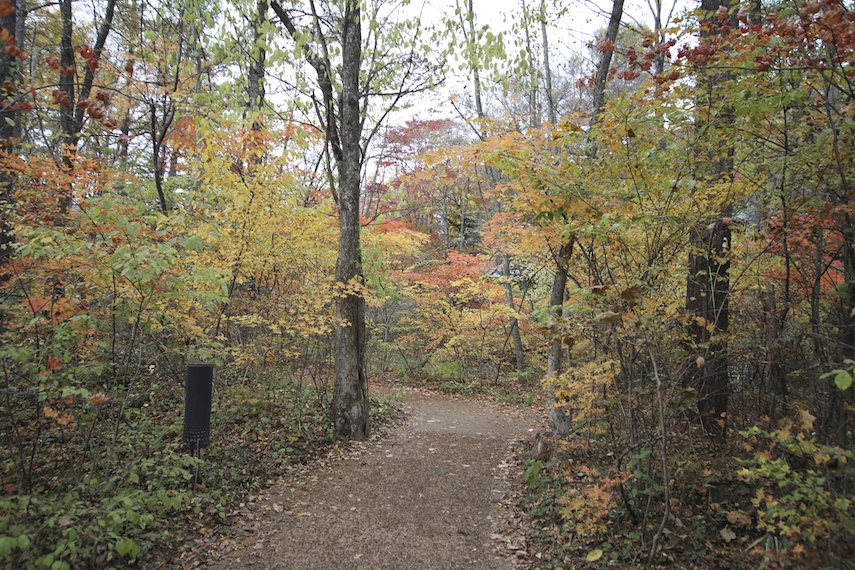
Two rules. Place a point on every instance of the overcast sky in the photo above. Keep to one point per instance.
(568, 35)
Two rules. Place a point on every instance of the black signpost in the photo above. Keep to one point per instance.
(198, 391)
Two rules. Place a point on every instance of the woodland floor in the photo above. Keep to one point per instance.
(433, 493)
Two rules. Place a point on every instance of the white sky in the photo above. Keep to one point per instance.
(568, 35)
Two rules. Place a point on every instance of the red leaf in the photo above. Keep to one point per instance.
(100, 398)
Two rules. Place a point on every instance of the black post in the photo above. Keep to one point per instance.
(198, 391)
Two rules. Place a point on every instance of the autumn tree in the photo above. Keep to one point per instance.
(357, 79)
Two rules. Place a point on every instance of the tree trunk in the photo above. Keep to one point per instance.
(476, 73)
(72, 115)
(708, 281)
(602, 75)
(551, 112)
(8, 121)
(257, 62)
(533, 110)
(515, 327)
(158, 135)
(707, 292)
(66, 88)
(556, 301)
(350, 393)
(560, 417)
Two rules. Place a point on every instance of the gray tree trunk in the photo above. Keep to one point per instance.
(605, 62)
(560, 417)
(350, 393)
(257, 60)
(476, 73)
(551, 113)
(514, 323)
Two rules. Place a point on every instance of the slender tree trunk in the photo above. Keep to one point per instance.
(66, 88)
(657, 27)
(258, 57)
(476, 71)
(8, 143)
(551, 112)
(350, 393)
(514, 323)
(533, 110)
(72, 115)
(462, 237)
(602, 75)
(158, 135)
(559, 417)
(556, 301)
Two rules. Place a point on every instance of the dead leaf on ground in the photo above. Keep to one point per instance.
(727, 534)
(740, 518)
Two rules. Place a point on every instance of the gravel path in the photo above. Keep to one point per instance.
(432, 494)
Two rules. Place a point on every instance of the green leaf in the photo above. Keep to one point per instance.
(594, 555)
(7, 543)
(531, 476)
(126, 547)
(843, 379)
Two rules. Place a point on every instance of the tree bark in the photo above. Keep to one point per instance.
(257, 62)
(533, 110)
(514, 323)
(708, 280)
(556, 301)
(602, 75)
(560, 418)
(8, 121)
(707, 292)
(72, 115)
(551, 112)
(350, 393)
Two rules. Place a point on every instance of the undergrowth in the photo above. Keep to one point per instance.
(764, 498)
(139, 498)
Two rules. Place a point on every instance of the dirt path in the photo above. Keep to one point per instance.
(429, 495)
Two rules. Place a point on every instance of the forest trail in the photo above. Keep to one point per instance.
(431, 494)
